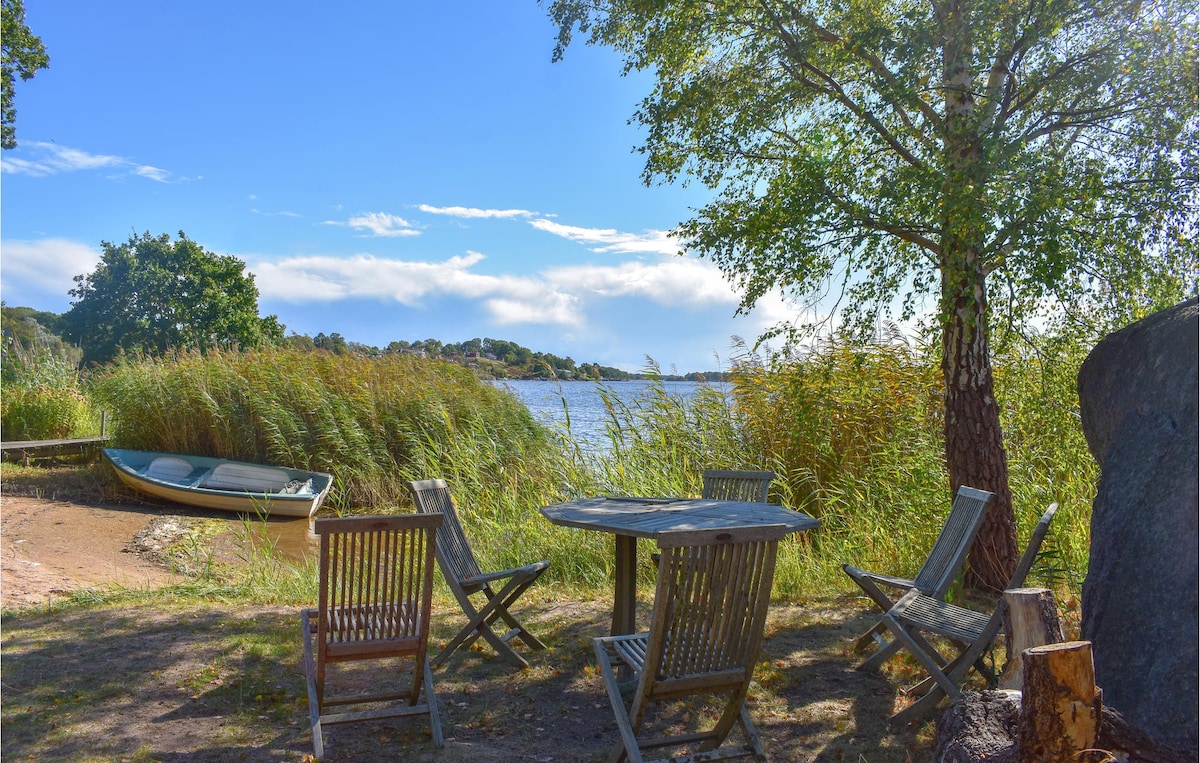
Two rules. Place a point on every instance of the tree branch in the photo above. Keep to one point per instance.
(834, 89)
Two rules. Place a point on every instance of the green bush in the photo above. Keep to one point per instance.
(41, 397)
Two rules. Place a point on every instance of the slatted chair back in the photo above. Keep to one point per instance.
(374, 598)
(453, 550)
(727, 485)
(376, 586)
(710, 607)
(950, 550)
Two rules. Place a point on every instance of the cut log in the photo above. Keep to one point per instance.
(1030, 618)
(1060, 704)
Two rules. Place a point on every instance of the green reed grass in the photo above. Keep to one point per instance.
(853, 432)
(41, 396)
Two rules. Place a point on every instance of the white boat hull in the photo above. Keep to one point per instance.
(214, 483)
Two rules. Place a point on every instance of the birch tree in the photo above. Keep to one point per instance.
(982, 158)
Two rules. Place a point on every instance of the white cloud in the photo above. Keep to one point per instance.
(678, 281)
(555, 308)
(510, 299)
(52, 159)
(154, 173)
(47, 266)
(380, 224)
(561, 296)
(471, 212)
(612, 240)
(274, 214)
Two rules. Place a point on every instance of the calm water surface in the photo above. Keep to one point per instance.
(552, 401)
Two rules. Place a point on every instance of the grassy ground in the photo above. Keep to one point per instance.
(169, 679)
(213, 671)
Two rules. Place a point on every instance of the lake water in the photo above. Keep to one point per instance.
(545, 399)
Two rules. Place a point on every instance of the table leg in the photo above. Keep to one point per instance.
(625, 590)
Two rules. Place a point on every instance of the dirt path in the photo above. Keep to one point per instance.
(49, 548)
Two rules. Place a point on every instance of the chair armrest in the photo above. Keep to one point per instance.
(529, 570)
(888, 580)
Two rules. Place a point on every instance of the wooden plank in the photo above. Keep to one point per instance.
(40, 444)
(29, 449)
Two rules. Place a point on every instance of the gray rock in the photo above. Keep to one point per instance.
(1138, 394)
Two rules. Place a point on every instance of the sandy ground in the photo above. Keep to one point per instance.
(48, 548)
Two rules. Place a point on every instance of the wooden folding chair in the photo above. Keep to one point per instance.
(971, 633)
(729, 485)
(465, 578)
(376, 587)
(941, 567)
(710, 606)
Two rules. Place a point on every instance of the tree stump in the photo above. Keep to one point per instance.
(1030, 618)
(1060, 704)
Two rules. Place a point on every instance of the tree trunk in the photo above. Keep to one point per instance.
(973, 439)
(1060, 704)
(1030, 618)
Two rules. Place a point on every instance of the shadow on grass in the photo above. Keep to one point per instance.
(219, 682)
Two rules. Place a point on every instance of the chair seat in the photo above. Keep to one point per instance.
(953, 622)
(631, 648)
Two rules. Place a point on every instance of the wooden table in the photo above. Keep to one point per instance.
(632, 518)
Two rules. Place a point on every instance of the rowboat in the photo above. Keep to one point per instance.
(218, 483)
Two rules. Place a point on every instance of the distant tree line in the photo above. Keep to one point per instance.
(492, 358)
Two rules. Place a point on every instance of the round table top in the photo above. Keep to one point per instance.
(647, 517)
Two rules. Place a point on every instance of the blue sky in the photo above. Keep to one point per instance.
(387, 171)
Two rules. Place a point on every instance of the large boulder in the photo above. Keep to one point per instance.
(1138, 392)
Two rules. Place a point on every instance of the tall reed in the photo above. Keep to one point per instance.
(371, 422)
(41, 396)
(853, 432)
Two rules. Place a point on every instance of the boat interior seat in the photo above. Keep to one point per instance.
(177, 471)
(249, 477)
(169, 469)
